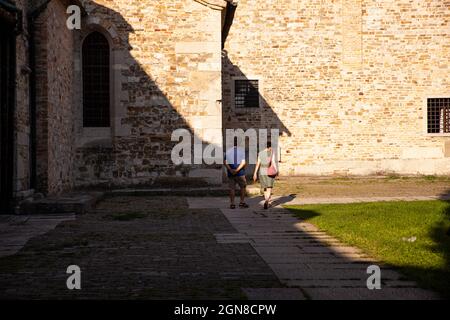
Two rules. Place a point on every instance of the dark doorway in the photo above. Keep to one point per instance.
(7, 102)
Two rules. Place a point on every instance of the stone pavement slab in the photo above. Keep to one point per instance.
(15, 231)
(274, 294)
(306, 258)
(74, 202)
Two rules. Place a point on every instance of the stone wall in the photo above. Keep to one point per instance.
(21, 175)
(55, 90)
(346, 81)
(166, 75)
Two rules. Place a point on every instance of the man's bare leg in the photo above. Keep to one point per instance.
(243, 192)
(232, 195)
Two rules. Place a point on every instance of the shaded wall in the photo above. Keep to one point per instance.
(22, 120)
(55, 110)
(166, 65)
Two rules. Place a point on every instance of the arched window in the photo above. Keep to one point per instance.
(96, 82)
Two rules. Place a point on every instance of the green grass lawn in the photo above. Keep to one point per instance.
(381, 229)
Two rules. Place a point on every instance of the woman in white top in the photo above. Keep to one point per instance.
(265, 161)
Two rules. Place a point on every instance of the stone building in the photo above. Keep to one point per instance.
(354, 86)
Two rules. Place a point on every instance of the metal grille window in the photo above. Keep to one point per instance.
(438, 114)
(96, 83)
(246, 94)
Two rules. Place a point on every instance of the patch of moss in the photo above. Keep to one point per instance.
(127, 216)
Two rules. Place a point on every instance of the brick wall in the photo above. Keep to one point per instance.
(346, 81)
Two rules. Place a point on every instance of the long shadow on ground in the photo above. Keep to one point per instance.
(137, 248)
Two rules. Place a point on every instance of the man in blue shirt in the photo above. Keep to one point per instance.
(235, 164)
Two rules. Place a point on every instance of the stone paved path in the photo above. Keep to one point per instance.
(132, 247)
(304, 257)
(138, 248)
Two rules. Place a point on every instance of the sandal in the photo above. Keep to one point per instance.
(243, 205)
(232, 206)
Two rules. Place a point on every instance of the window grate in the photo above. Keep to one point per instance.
(438, 115)
(96, 82)
(246, 94)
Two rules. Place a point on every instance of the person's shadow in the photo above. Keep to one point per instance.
(258, 201)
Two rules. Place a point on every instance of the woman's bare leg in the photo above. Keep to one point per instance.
(268, 194)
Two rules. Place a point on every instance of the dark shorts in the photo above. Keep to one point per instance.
(239, 180)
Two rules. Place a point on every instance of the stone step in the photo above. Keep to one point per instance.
(188, 192)
(78, 203)
(81, 202)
